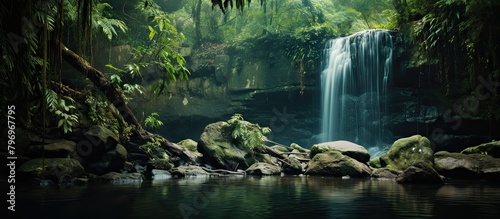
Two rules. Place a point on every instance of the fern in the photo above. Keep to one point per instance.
(249, 135)
(107, 25)
(59, 107)
(152, 121)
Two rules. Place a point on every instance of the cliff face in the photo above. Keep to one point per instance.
(258, 83)
(262, 85)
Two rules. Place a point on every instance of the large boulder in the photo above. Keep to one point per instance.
(334, 163)
(292, 166)
(261, 168)
(112, 161)
(347, 148)
(221, 151)
(96, 142)
(467, 166)
(405, 152)
(59, 170)
(490, 148)
(420, 173)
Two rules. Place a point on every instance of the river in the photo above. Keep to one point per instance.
(261, 197)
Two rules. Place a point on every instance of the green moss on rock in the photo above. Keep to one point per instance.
(407, 151)
(56, 169)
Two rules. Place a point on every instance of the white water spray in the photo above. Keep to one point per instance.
(354, 83)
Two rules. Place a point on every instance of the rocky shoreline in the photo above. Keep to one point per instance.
(101, 156)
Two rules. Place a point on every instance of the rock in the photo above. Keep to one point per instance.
(96, 142)
(119, 178)
(185, 171)
(261, 168)
(384, 173)
(112, 161)
(160, 174)
(420, 172)
(129, 167)
(467, 166)
(334, 163)
(292, 166)
(347, 148)
(60, 170)
(160, 164)
(490, 148)
(139, 156)
(60, 148)
(189, 144)
(157, 164)
(220, 151)
(375, 163)
(407, 151)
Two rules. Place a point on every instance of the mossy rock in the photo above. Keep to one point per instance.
(347, 148)
(375, 163)
(221, 151)
(160, 164)
(334, 163)
(467, 166)
(292, 166)
(385, 173)
(405, 152)
(490, 148)
(420, 173)
(261, 168)
(57, 169)
(189, 144)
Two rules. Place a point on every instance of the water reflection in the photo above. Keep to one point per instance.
(263, 197)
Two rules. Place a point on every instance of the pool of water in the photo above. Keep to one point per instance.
(261, 197)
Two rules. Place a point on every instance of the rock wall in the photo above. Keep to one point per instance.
(264, 87)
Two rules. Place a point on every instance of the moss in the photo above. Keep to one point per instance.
(188, 144)
(375, 163)
(407, 151)
(52, 168)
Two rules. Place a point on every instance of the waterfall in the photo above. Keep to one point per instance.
(354, 82)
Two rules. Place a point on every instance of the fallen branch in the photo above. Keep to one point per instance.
(280, 155)
(223, 171)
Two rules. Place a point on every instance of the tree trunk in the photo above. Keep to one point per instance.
(116, 98)
(197, 22)
(103, 84)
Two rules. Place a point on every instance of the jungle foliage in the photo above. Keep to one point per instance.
(33, 34)
(460, 36)
(247, 134)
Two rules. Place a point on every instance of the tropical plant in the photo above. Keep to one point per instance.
(159, 52)
(152, 121)
(63, 108)
(153, 148)
(249, 135)
(456, 34)
(101, 20)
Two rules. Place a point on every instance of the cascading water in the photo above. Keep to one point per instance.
(354, 83)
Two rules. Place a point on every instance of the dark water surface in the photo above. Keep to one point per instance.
(262, 197)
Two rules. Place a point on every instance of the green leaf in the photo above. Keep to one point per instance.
(152, 32)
